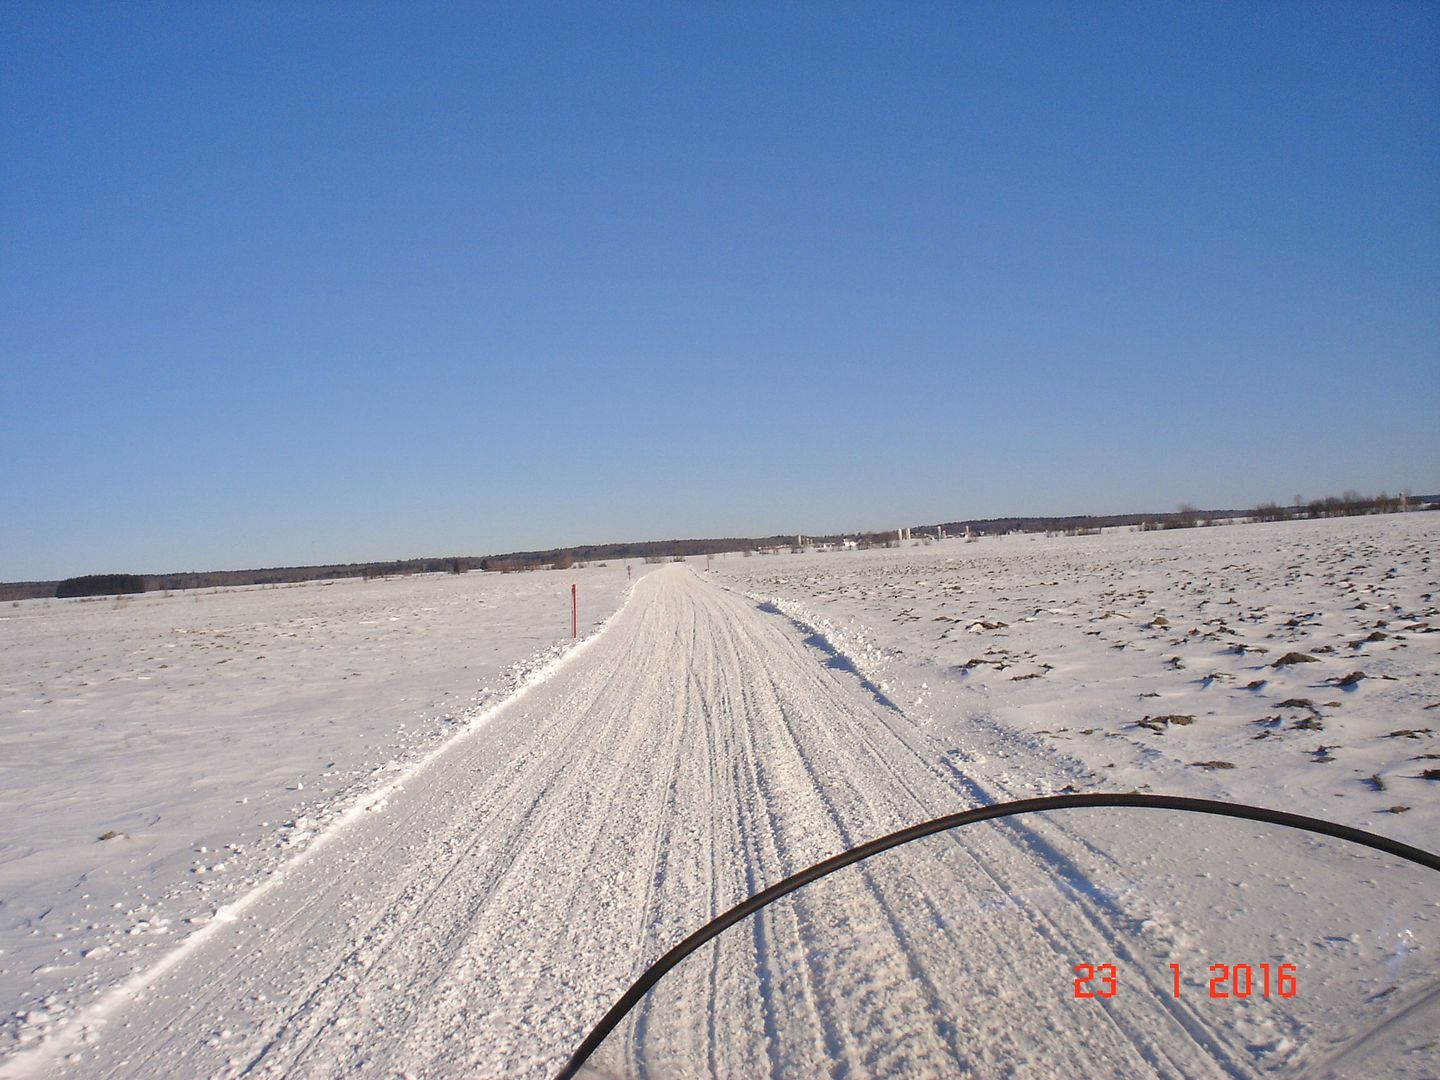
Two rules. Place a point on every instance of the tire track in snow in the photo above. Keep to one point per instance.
(1103, 914)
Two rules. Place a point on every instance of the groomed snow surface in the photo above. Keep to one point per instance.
(423, 836)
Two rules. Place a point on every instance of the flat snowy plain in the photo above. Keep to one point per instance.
(1083, 651)
(211, 735)
(400, 826)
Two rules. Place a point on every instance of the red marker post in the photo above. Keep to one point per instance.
(574, 612)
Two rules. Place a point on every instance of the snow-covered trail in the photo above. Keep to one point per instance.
(697, 750)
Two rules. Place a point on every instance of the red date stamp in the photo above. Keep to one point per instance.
(1226, 980)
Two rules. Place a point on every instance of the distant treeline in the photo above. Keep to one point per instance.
(218, 579)
(281, 575)
(100, 585)
(1349, 504)
(648, 549)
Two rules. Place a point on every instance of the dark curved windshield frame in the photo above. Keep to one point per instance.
(719, 925)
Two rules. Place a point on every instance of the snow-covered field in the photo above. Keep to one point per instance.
(161, 754)
(1158, 661)
(467, 880)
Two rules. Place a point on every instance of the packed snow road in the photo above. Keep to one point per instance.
(701, 747)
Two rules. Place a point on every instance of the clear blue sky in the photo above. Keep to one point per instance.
(286, 283)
